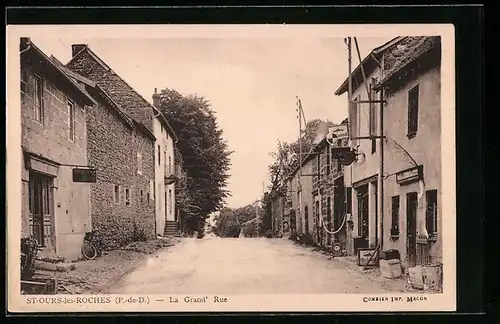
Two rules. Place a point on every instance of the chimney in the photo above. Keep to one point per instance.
(77, 48)
(156, 99)
(25, 42)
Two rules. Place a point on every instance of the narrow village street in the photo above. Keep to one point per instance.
(248, 266)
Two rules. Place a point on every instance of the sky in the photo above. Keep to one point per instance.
(251, 84)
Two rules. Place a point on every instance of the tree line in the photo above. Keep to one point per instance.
(203, 157)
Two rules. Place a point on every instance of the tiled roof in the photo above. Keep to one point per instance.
(91, 84)
(119, 91)
(408, 51)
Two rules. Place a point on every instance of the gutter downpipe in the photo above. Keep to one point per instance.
(25, 50)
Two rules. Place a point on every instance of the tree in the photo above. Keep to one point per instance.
(204, 153)
(286, 157)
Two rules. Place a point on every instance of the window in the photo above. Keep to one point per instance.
(38, 98)
(328, 161)
(139, 163)
(319, 166)
(165, 159)
(127, 197)
(395, 216)
(431, 212)
(149, 198)
(117, 194)
(71, 120)
(170, 164)
(353, 120)
(159, 155)
(24, 81)
(413, 95)
(348, 207)
(170, 201)
(142, 196)
(151, 189)
(166, 202)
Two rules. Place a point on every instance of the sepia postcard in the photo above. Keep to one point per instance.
(231, 168)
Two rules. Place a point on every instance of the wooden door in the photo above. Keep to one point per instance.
(40, 218)
(411, 228)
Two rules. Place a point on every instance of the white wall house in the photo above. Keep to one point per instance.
(165, 176)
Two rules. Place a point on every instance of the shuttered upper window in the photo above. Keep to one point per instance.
(413, 103)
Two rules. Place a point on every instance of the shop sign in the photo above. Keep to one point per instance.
(337, 133)
(409, 175)
(84, 175)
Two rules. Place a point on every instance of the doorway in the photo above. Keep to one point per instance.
(411, 228)
(40, 209)
(339, 209)
(306, 219)
(362, 196)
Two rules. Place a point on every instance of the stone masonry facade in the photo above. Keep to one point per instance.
(113, 146)
(122, 150)
(47, 136)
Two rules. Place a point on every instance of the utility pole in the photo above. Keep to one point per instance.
(299, 183)
(379, 137)
(380, 179)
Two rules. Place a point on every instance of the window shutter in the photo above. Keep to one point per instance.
(353, 121)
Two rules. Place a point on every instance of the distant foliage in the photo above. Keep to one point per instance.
(204, 155)
(230, 221)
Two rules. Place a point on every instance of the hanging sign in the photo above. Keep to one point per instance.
(84, 175)
(409, 175)
(337, 132)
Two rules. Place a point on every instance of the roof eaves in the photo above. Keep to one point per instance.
(74, 75)
(144, 129)
(370, 57)
(82, 91)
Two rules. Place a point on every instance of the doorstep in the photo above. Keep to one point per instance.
(49, 266)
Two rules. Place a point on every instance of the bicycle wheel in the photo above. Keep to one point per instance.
(89, 251)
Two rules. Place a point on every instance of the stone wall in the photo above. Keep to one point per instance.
(113, 146)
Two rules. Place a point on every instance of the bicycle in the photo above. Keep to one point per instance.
(91, 247)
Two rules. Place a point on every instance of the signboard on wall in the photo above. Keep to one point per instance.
(409, 175)
(87, 175)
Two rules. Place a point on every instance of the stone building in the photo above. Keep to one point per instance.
(55, 208)
(279, 219)
(121, 146)
(407, 69)
(329, 195)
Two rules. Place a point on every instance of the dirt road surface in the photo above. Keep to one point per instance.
(247, 266)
